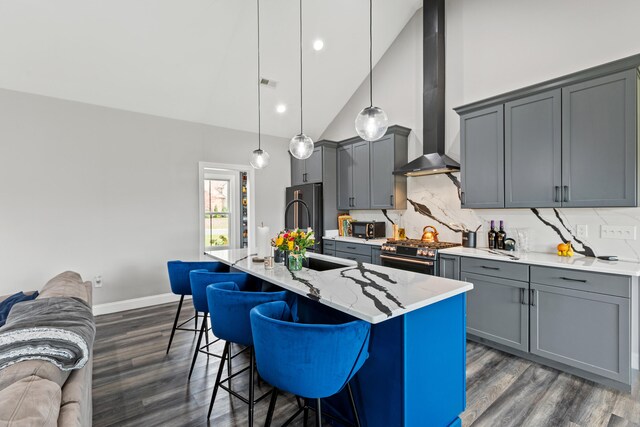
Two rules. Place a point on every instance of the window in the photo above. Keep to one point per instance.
(216, 213)
(226, 208)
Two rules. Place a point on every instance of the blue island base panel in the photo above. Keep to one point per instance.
(416, 372)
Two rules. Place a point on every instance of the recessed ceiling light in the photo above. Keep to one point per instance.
(318, 44)
(281, 108)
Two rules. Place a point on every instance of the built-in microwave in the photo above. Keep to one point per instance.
(368, 229)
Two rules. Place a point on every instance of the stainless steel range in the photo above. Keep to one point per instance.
(413, 255)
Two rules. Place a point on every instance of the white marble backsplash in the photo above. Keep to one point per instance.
(434, 200)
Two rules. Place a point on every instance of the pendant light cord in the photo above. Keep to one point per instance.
(371, 52)
(301, 67)
(259, 82)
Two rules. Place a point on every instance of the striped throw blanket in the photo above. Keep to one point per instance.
(59, 330)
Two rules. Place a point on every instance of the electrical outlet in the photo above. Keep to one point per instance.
(581, 231)
(621, 232)
(97, 281)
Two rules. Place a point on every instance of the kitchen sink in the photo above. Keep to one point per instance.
(322, 264)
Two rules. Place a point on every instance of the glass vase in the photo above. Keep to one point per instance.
(295, 261)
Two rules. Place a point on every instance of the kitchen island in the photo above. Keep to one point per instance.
(415, 374)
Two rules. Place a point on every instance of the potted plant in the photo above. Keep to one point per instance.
(294, 244)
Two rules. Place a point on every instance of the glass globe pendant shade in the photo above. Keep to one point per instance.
(259, 159)
(301, 146)
(372, 123)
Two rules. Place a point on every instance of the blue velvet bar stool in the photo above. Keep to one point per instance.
(309, 360)
(230, 304)
(200, 279)
(180, 285)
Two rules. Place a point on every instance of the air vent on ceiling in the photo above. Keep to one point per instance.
(268, 82)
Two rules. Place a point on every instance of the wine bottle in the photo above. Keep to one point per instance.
(501, 236)
(492, 235)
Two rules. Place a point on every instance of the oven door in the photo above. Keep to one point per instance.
(409, 264)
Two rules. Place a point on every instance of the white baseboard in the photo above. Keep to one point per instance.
(635, 360)
(130, 304)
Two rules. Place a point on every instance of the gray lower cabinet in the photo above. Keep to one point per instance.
(329, 247)
(498, 310)
(375, 255)
(482, 158)
(533, 151)
(599, 141)
(585, 330)
(354, 256)
(449, 266)
(345, 177)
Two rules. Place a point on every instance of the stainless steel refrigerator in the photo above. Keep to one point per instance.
(297, 217)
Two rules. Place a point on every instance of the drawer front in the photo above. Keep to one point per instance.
(354, 248)
(329, 251)
(354, 257)
(329, 244)
(606, 284)
(492, 268)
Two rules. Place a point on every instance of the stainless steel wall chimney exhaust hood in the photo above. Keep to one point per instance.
(434, 160)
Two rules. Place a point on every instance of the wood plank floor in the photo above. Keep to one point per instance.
(136, 384)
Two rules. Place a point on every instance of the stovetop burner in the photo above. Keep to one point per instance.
(416, 243)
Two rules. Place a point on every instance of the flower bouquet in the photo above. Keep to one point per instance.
(294, 243)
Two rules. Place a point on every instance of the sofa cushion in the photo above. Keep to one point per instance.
(32, 401)
(7, 304)
(67, 284)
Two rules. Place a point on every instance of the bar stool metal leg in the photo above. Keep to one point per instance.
(218, 378)
(175, 323)
(195, 353)
(206, 332)
(252, 371)
(318, 413)
(272, 405)
(195, 323)
(353, 405)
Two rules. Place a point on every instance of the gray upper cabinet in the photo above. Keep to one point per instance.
(345, 176)
(388, 191)
(533, 150)
(585, 330)
(567, 142)
(313, 166)
(482, 158)
(365, 172)
(297, 171)
(497, 310)
(360, 170)
(308, 171)
(599, 141)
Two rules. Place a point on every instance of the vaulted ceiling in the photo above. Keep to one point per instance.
(195, 60)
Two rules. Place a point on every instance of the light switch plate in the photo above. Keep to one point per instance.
(621, 232)
(581, 231)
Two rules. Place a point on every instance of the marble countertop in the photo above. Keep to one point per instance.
(372, 242)
(577, 262)
(369, 292)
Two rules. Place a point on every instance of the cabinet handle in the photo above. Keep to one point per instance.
(532, 297)
(490, 268)
(351, 247)
(565, 196)
(522, 297)
(391, 200)
(463, 197)
(354, 202)
(574, 280)
(557, 196)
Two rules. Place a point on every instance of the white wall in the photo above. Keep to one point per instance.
(111, 192)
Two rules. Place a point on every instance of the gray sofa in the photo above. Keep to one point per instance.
(37, 393)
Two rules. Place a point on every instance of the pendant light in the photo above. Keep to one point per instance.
(301, 146)
(372, 122)
(259, 157)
